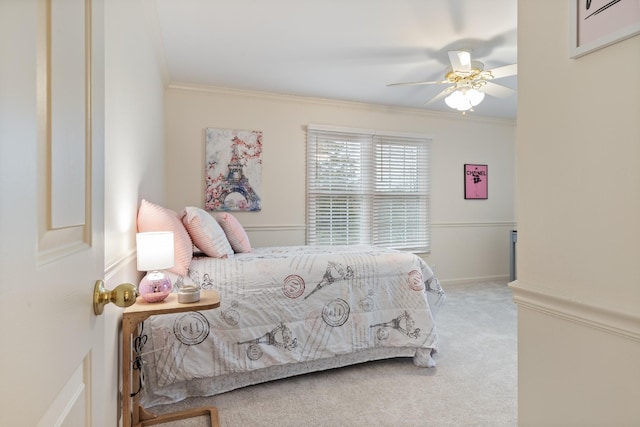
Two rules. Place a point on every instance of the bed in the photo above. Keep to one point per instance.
(287, 311)
(284, 311)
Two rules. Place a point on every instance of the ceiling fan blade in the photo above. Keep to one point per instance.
(460, 60)
(506, 71)
(419, 83)
(441, 95)
(496, 90)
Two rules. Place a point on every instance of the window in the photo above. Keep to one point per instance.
(368, 187)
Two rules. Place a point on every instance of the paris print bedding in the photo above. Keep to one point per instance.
(284, 305)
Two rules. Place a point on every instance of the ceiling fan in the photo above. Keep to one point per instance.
(469, 82)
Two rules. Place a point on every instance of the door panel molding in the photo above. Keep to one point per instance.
(71, 406)
(64, 128)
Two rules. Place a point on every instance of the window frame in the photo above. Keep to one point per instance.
(369, 225)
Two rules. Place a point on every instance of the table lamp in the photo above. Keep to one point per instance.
(155, 253)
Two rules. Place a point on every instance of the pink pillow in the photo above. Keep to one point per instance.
(235, 233)
(206, 233)
(152, 217)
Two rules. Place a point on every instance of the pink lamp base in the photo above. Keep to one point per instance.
(154, 287)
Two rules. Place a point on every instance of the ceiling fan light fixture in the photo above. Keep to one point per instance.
(464, 57)
(464, 99)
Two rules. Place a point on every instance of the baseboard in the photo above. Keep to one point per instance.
(550, 303)
(469, 280)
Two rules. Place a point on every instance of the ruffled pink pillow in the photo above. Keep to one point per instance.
(152, 217)
(206, 233)
(235, 233)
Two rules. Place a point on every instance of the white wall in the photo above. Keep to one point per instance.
(578, 150)
(134, 124)
(134, 154)
(470, 237)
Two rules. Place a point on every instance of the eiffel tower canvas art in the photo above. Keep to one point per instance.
(233, 170)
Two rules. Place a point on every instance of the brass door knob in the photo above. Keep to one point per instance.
(123, 295)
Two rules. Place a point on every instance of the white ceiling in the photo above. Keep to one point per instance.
(338, 49)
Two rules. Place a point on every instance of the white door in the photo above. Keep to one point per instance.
(51, 212)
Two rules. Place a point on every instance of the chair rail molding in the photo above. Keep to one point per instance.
(466, 224)
(546, 301)
(277, 227)
(450, 224)
(114, 267)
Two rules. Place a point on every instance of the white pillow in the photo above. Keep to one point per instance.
(206, 233)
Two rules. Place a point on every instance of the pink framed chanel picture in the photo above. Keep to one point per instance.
(475, 181)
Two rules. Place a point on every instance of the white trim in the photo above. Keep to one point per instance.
(576, 51)
(549, 302)
(465, 224)
(221, 91)
(342, 129)
(457, 224)
(48, 256)
(282, 227)
(373, 132)
(72, 394)
(473, 280)
(114, 267)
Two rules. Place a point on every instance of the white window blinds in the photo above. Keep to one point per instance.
(368, 187)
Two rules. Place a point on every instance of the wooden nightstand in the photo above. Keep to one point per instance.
(133, 414)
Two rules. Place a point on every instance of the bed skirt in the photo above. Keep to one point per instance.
(201, 387)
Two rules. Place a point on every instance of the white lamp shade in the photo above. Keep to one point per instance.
(155, 250)
(464, 99)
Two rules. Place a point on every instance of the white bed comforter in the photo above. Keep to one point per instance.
(287, 305)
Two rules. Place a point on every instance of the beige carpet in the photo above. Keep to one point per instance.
(474, 384)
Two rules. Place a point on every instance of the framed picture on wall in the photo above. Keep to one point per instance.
(599, 23)
(233, 170)
(475, 181)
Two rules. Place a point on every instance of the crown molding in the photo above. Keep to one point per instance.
(272, 96)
